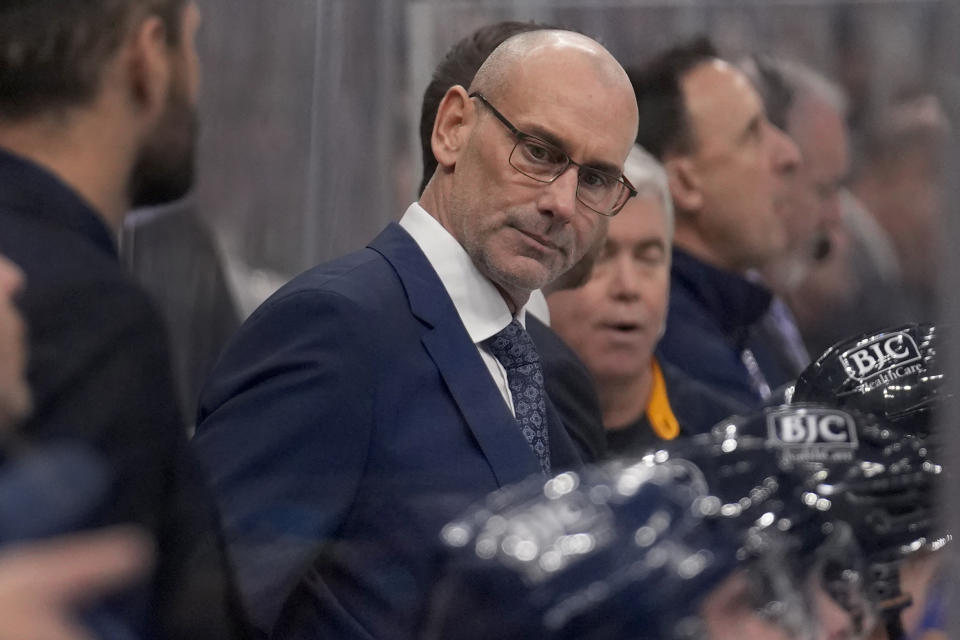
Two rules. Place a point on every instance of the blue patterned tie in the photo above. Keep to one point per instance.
(514, 348)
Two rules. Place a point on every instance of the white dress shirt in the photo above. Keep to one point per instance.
(479, 304)
(537, 307)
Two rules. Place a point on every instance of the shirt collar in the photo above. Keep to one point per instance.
(731, 299)
(479, 304)
(31, 190)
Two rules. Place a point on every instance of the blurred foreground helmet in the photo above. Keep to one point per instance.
(895, 373)
(863, 472)
(856, 466)
(765, 498)
(631, 550)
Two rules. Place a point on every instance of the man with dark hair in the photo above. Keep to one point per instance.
(665, 126)
(96, 115)
(373, 397)
(726, 165)
(459, 66)
(567, 380)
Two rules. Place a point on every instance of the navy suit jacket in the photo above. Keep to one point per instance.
(347, 422)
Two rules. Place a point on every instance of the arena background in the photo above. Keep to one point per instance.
(310, 107)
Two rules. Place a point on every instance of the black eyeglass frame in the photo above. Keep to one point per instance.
(520, 136)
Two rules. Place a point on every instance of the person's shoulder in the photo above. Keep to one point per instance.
(361, 276)
(79, 291)
(687, 307)
(99, 358)
(691, 332)
(84, 322)
(346, 297)
(698, 406)
(80, 306)
(55, 256)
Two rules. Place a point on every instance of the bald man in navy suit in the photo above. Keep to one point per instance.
(373, 397)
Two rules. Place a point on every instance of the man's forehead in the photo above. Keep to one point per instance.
(821, 135)
(566, 72)
(643, 215)
(716, 90)
(714, 74)
(721, 103)
(574, 116)
(573, 68)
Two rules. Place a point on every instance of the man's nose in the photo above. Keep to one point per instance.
(559, 198)
(785, 153)
(831, 208)
(626, 281)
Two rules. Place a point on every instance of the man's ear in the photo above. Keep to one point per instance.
(684, 183)
(148, 66)
(456, 116)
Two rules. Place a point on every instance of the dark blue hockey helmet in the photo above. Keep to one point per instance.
(859, 469)
(628, 550)
(864, 470)
(766, 500)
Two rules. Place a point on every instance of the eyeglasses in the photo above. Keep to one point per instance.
(602, 192)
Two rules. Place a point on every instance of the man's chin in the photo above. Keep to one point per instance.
(157, 182)
(529, 274)
(517, 278)
(786, 273)
(15, 405)
(165, 167)
(152, 196)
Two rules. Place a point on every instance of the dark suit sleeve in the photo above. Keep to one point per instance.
(100, 370)
(284, 429)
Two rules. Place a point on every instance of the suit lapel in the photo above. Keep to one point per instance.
(467, 379)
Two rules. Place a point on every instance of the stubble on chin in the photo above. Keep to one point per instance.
(15, 405)
(500, 253)
(508, 261)
(165, 164)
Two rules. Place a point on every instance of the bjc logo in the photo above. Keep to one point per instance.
(878, 355)
(812, 427)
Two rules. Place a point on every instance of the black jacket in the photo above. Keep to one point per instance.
(100, 374)
(697, 409)
(571, 389)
